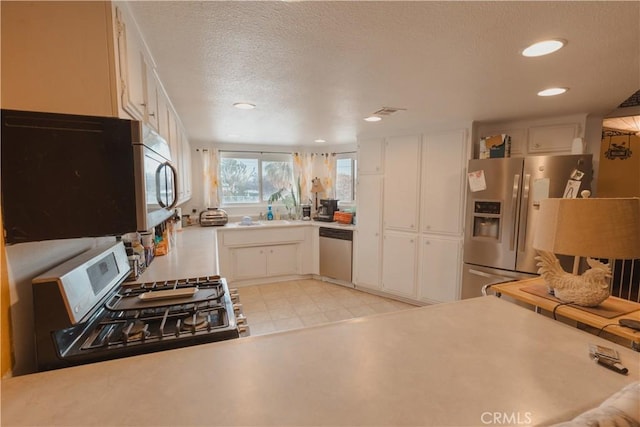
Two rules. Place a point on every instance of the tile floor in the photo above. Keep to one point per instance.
(300, 303)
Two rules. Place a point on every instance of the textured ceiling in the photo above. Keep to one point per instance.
(316, 69)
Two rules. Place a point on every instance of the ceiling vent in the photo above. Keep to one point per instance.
(632, 101)
(387, 111)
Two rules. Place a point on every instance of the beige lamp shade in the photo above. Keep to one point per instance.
(596, 228)
(316, 186)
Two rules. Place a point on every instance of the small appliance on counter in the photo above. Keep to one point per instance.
(306, 212)
(326, 210)
(213, 217)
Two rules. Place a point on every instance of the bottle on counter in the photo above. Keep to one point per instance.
(269, 213)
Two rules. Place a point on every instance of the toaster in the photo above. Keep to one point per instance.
(213, 216)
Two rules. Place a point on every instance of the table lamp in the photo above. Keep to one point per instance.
(592, 228)
(316, 187)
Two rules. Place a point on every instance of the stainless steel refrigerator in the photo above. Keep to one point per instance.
(503, 200)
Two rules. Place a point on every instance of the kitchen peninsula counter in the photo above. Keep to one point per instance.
(194, 255)
(446, 364)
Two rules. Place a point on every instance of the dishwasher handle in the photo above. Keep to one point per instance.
(335, 233)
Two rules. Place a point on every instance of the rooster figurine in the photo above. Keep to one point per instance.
(587, 290)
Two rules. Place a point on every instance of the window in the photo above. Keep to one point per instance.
(346, 177)
(247, 177)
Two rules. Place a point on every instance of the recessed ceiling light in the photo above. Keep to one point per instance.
(373, 119)
(552, 91)
(319, 140)
(244, 105)
(544, 47)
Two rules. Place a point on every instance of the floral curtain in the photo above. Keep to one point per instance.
(308, 166)
(210, 196)
(303, 174)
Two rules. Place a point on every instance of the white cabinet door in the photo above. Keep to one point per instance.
(553, 138)
(444, 164)
(282, 260)
(399, 263)
(440, 269)
(163, 115)
(402, 182)
(151, 96)
(369, 220)
(185, 166)
(249, 263)
(370, 157)
(133, 68)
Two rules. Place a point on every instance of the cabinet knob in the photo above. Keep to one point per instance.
(152, 114)
(427, 242)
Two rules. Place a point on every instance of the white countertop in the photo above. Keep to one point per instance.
(439, 365)
(285, 223)
(194, 255)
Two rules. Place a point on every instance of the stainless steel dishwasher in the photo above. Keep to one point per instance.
(336, 253)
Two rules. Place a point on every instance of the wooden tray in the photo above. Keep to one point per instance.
(135, 302)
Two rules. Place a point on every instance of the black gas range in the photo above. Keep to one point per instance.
(84, 313)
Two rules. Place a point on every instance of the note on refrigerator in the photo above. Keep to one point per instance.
(571, 190)
(477, 181)
(540, 190)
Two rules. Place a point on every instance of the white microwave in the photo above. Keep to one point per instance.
(69, 176)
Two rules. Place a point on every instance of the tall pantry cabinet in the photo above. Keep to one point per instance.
(401, 214)
(368, 249)
(422, 186)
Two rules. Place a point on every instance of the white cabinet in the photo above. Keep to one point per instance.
(369, 230)
(264, 261)
(58, 57)
(443, 170)
(185, 167)
(440, 268)
(152, 110)
(552, 138)
(370, 155)
(264, 254)
(282, 260)
(399, 263)
(133, 67)
(248, 263)
(402, 182)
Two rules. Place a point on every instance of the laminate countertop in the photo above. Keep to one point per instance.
(194, 255)
(442, 365)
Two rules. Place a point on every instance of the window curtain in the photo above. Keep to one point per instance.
(210, 195)
(303, 174)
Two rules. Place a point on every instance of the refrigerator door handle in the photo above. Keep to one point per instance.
(525, 212)
(496, 280)
(514, 211)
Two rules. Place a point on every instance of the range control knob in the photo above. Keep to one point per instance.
(237, 308)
